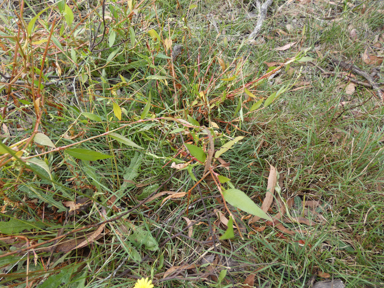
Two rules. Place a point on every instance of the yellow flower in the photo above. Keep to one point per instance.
(144, 283)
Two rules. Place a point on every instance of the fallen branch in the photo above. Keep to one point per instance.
(262, 14)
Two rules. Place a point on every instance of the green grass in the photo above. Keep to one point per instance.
(127, 83)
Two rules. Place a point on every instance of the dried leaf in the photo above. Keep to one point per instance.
(174, 196)
(271, 64)
(250, 280)
(222, 64)
(159, 195)
(92, 238)
(300, 220)
(350, 88)
(272, 180)
(190, 228)
(353, 34)
(285, 230)
(371, 59)
(179, 166)
(72, 205)
(323, 274)
(223, 219)
(179, 268)
(285, 47)
(312, 204)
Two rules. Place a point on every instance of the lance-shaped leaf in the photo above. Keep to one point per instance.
(85, 154)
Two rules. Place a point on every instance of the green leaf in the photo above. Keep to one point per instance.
(112, 55)
(223, 179)
(141, 237)
(240, 200)
(249, 93)
(256, 105)
(57, 43)
(61, 5)
(132, 36)
(3, 151)
(156, 77)
(124, 140)
(222, 275)
(68, 15)
(193, 121)
(85, 154)
(43, 139)
(112, 37)
(270, 99)
(305, 59)
(41, 164)
(15, 226)
(154, 35)
(73, 55)
(92, 116)
(162, 56)
(56, 280)
(132, 252)
(34, 192)
(228, 146)
(196, 152)
(229, 79)
(177, 130)
(229, 234)
(31, 25)
(117, 110)
(190, 172)
(146, 108)
(193, 6)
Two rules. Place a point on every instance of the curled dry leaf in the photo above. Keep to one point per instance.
(223, 219)
(323, 274)
(350, 88)
(272, 180)
(190, 228)
(161, 194)
(371, 59)
(284, 230)
(223, 163)
(353, 34)
(179, 166)
(178, 269)
(174, 196)
(250, 280)
(285, 47)
(91, 238)
(312, 204)
(72, 205)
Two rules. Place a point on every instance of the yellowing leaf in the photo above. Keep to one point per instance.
(117, 110)
(43, 139)
(154, 35)
(227, 146)
(249, 93)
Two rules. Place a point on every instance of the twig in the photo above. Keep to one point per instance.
(362, 73)
(262, 14)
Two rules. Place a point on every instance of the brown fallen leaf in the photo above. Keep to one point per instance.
(159, 195)
(350, 88)
(312, 204)
(353, 34)
(223, 219)
(179, 268)
(190, 228)
(300, 220)
(285, 47)
(323, 274)
(174, 196)
(285, 230)
(270, 64)
(250, 280)
(179, 166)
(371, 59)
(91, 238)
(272, 180)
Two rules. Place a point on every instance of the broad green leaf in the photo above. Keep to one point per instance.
(112, 37)
(141, 237)
(73, 55)
(177, 130)
(229, 234)
(132, 36)
(162, 56)
(306, 59)
(146, 108)
(117, 110)
(249, 93)
(240, 200)
(92, 116)
(85, 154)
(223, 179)
(270, 99)
(124, 140)
(15, 226)
(56, 280)
(31, 25)
(35, 192)
(228, 146)
(43, 139)
(193, 121)
(41, 164)
(256, 105)
(57, 43)
(193, 6)
(68, 15)
(190, 172)
(3, 151)
(112, 55)
(196, 152)
(132, 252)
(154, 35)
(61, 5)
(157, 77)
(222, 275)
(130, 174)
